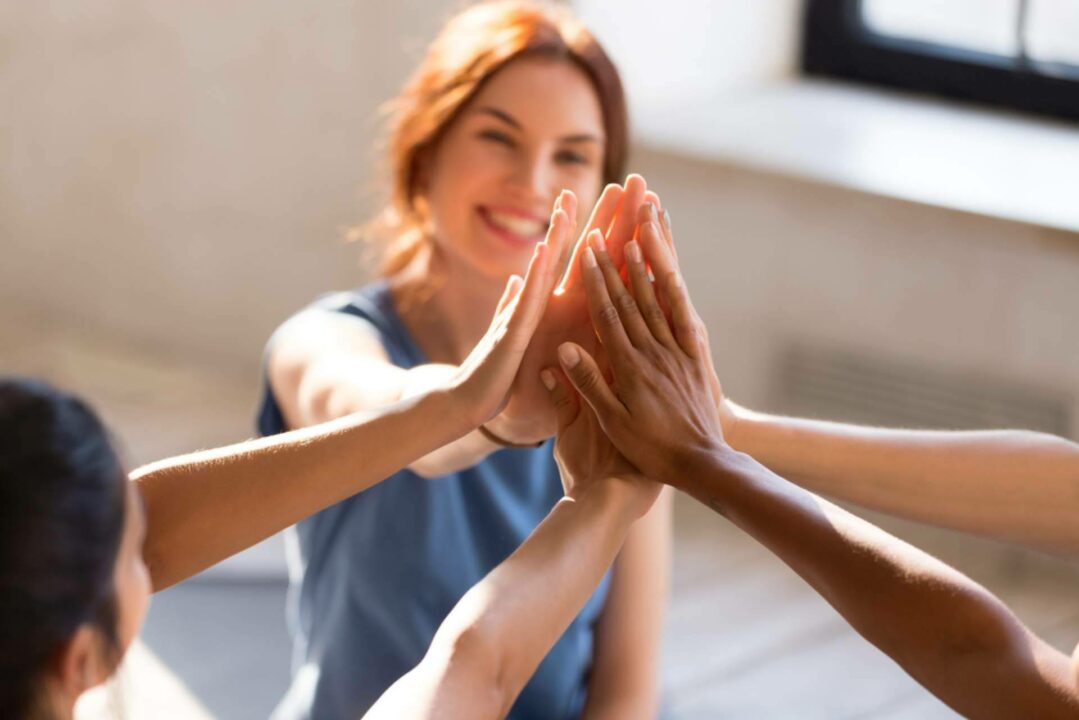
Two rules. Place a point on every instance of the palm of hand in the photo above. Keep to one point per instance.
(565, 318)
(529, 412)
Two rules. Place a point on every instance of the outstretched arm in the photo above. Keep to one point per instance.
(497, 634)
(1014, 485)
(946, 631)
(324, 365)
(206, 506)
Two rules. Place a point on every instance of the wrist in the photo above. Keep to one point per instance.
(743, 427)
(511, 433)
(611, 494)
(689, 463)
(627, 497)
(448, 405)
(711, 476)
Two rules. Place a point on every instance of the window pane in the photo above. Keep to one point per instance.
(981, 25)
(1053, 31)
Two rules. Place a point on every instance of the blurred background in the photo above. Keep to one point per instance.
(876, 204)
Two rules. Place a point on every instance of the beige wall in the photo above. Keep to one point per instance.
(181, 173)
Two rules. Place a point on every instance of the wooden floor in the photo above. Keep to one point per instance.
(746, 638)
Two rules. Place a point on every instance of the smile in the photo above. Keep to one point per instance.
(513, 226)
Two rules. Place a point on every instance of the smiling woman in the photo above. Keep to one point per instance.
(490, 180)
(472, 50)
(513, 103)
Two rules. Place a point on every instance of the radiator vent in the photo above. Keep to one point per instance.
(854, 387)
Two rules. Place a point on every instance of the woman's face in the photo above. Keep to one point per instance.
(534, 129)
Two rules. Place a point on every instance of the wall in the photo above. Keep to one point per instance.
(687, 50)
(181, 174)
(772, 260)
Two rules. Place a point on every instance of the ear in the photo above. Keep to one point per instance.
(80, 664)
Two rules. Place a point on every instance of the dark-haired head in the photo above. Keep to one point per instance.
(66, 512)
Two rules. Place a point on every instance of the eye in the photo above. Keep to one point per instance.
(497, 136)
(571, 157)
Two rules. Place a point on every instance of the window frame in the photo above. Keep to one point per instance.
(837, 43)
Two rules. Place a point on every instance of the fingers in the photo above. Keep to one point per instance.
(566, 403)
(651, 198)
(668, 234)
(605, 317)
(625, 222)
(647, 302)
(636, 328)
(602, 215)
(532, 298)
(560, 234)
(673, 290)
(513, 289)
(582, 371)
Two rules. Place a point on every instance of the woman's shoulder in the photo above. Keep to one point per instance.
(372, 302)
(352, 317)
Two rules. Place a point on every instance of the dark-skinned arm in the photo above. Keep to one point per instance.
(661, 411)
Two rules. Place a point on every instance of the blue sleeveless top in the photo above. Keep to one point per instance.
(373, 577)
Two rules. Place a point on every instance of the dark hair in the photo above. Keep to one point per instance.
(62, 493)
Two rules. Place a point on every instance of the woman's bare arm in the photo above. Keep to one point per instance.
(325, 365)
(624, 682)
(1014, 485)
(497, 634)
(206, 506)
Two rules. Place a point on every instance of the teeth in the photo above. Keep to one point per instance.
(517, 225)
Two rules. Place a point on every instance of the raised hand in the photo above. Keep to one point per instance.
(662, 407)
(483, 381)
(584, 454)
(529, 415)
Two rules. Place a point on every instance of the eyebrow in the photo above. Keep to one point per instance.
(512, 122)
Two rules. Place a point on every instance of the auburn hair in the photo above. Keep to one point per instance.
(470, 49)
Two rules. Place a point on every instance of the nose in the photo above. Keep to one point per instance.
(534, 177)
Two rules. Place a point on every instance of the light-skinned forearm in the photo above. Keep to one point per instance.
(347, 394)
(1017, 486)
(205, 506)
(947, 631)
(497, 634)
(624, 681)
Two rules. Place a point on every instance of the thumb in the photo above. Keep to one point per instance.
(566, 403)
(584, 373)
